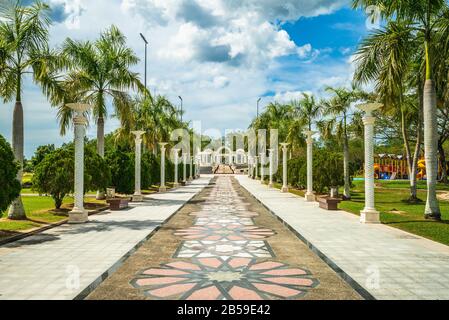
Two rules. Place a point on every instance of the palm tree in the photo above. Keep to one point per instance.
(275, 116)
(388, 57)
(425, 17)
(23, 47)
(339, 108)
(306, 109)
(156, 115)
(99, 71)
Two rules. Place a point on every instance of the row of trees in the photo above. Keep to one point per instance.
(94, 72)
(334, 118)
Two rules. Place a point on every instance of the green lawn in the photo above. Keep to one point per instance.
(399, 214)
(396, 213)
(39, 213)
(396, 184)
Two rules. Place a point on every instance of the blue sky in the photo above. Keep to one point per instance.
(219, 55)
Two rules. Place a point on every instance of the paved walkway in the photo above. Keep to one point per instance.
(224, 245)
(386, 262)
(63, 262)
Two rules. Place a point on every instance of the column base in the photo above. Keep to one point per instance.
(284, 190)
(176, 185)
(370, 216)
(271, 185)
(310, 197)
(137, 198)
(78, 216)
(163, 189)
(190, 179)
(262, 181)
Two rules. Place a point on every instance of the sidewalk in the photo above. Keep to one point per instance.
(47, 265)
(388, 263)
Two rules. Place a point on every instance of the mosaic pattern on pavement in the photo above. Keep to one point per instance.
(228, 257)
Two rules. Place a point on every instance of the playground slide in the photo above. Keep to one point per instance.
(422, 169)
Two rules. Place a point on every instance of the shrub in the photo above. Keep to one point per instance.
(293, 172)
(55, 175)
(121, 165)
(151, 170)
(10, 186)
(327, 170)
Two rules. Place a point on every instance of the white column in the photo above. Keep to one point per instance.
(256, 165)
(284, 167)
(190, 168)
(163, 187)
(184, 173)
(198, 174)
(262, 168)
(176, 157)
(79, 214)
(137, 197)
(369, 214)
(271, 159)
(249, 166)
(310, 196)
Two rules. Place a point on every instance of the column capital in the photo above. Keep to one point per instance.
(79, 108)
(310, 135)
(284, 146)
(368, 108)
(163, 144)
(138, 134)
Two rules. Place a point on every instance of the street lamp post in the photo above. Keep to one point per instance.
(182, 102)
(369, 214)
(146, 50)
(79, 214)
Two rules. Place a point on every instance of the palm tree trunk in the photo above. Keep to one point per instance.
(432, 210)
(100, 149)
(16, 210)
(347, 191)
(411, 172)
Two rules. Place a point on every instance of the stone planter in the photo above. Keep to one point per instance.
(117, 204)
(329, 203)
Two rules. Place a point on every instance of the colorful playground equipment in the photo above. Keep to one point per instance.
(390, 167)
(422, 170)
(393, 167)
